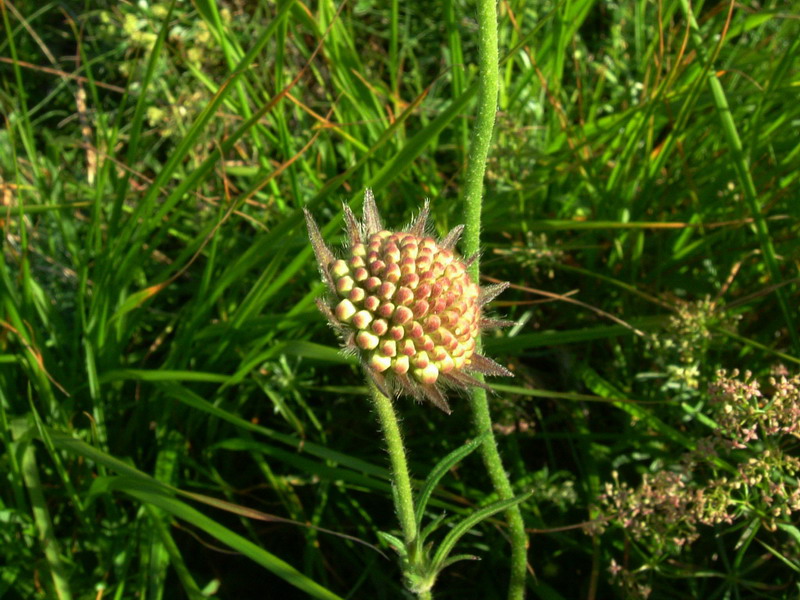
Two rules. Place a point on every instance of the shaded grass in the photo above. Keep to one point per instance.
(158, 287)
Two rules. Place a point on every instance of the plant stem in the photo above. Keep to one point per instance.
(479, 152)
(404, 499)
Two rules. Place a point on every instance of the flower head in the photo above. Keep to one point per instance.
(406, 305)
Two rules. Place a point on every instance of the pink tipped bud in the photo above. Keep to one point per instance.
(392, 252)
(367, 341)
(386, 309)
(360, 274)
(415, 331)
(449, 318)
(362, 319)
(402, 315)
(372, 283)
(379, 326)
(407, 347)
(412, 252)
(401, 365)
(407, 265)
(420, 308)
(386, 291)
(357, 294)
(356, 262)
(410, 280)
(432, 323)
(392, 273)
(404, 296)
(358, 250)
(379, 362)
(372, 303)
(345, 310)
(428, 243)
(339, 268)
(377, 267)
(420, 360)
(427, 375)
(448, 339)
(423, 290)
(427, 343)
(397, 332)
(344, 284)
(454, 271)
(446, 364)
(389, 348)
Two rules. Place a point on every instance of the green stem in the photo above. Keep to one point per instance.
(488, 62)
(404, 499)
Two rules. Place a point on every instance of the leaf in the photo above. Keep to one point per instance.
(440, 470)
(451, 539)
(393, 542)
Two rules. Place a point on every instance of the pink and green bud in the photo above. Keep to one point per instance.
(361, 319)
(380, 362)
(344, 311)
(367, 341)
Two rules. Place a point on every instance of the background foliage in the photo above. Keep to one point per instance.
(161, 355)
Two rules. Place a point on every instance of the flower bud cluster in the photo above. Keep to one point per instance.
(412, 304)
(406, 305)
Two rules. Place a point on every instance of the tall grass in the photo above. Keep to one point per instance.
(175, 419)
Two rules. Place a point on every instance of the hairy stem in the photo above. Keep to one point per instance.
(478, 153)
(404, 499)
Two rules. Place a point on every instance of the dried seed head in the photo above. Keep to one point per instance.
(407, 305)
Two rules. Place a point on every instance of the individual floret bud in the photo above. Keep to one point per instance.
(406, 305)
(344, 311)
(361, 319)
(379, 362)
(401, 365)
(427, 375)
(339, 268)
(344, 285)
(367, 341)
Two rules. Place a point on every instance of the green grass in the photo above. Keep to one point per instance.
(175, 417)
